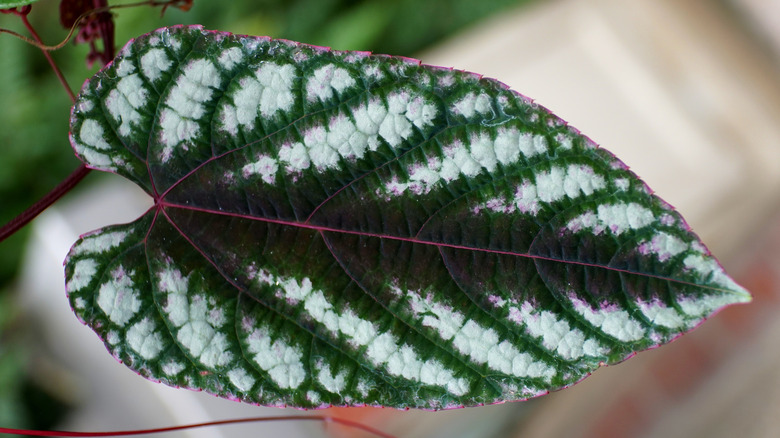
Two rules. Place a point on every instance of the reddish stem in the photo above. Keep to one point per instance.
(74, 178)
(323, 418)
(64, 187)
(48, 57)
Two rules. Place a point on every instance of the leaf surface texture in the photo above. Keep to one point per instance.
(340, 228)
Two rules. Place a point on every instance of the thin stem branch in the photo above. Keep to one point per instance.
(61, 44)
(66, 185)
(28, 215)
(322, 418)
(49, 58)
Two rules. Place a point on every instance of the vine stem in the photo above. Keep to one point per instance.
(34, 210)
(165, 4)
(325, 419)
(53, 64)
(66, 185)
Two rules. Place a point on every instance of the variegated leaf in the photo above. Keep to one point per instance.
(339, 228)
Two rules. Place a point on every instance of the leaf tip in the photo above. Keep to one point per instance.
(741, 295)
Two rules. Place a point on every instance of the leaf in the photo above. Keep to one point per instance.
(9, 4)
(339, 228)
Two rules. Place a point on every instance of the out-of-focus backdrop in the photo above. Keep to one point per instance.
(686, 92)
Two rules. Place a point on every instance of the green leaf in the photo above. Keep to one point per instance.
(338, 228)
(8, 4)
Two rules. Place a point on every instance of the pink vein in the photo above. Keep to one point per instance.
(322, 229)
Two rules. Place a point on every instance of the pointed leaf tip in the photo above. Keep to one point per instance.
(339, 228)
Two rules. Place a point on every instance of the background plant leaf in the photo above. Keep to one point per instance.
(8, 4)
(337, 228)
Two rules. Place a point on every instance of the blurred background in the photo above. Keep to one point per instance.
(686, 92)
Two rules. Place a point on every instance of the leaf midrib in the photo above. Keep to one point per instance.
(163, 204)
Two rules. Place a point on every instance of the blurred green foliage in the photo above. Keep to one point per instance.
(35, 154)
